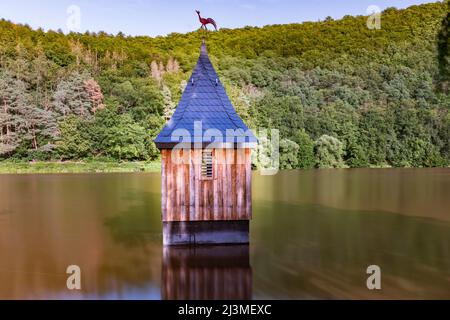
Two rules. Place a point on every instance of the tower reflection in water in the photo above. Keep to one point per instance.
(206, 273)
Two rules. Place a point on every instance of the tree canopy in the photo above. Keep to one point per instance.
(339, 93)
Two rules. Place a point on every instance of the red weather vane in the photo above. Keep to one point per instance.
(205, 22)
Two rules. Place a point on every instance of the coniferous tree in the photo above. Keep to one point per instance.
(72, 97)
(14, 101)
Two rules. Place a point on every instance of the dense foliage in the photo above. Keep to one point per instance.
(340, 93)
(444, 50)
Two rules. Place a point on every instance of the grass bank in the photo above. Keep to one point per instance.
(18, 167)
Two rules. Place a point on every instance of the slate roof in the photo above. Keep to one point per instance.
(205, 105)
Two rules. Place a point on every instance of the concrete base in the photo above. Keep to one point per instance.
(206, 232)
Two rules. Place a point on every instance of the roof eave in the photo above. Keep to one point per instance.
(206, 145)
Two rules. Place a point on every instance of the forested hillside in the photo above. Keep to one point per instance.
(340, 94)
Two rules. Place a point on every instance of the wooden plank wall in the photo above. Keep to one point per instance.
(186, 196)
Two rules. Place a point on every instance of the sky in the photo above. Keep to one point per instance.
(161, 17)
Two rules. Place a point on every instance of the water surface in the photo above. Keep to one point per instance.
(313, 235)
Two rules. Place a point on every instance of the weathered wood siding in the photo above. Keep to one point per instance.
(186, 196)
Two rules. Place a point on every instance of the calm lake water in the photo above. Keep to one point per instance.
(313, 236)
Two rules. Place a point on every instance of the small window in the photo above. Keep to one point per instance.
(207, 164)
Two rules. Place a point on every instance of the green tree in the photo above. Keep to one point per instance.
(139, 97)
(329, 152)
(282, 113)
(74, 141)
(305, 150)
(153, 125)
(288, 154)
(119, 137)
(376, 135)
(356, 156)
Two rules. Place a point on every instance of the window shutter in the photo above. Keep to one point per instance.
(207, 164)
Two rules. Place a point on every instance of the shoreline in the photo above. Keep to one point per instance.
(48, 167)
(93, 166)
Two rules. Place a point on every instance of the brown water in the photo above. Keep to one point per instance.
(313, 235)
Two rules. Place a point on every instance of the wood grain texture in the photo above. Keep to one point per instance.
(163, 186)
(186, 196)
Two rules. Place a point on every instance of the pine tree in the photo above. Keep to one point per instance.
(14, 100)
(39, 123)
(20, 119)
(72, 97)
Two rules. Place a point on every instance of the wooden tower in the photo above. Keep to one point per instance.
(206, 165)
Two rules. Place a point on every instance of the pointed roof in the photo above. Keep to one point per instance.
(205, 113)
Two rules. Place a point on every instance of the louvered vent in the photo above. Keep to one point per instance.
(207, 164)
